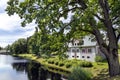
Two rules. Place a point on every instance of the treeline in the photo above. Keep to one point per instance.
(1, 48)
(40, 44)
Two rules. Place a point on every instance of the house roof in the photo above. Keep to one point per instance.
(87, 42)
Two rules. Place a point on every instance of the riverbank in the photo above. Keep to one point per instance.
(99, 70)
(51, 67)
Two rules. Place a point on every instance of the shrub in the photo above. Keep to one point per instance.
(85, 64)
(99, 59)
(51, 61)
(56, 62)
(68, 65)
(61, 63)
(74, 61)
(79, 73)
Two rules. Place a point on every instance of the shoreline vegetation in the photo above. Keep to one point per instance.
(45, 63)
(99, 70)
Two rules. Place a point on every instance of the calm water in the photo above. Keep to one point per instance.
(14, 68)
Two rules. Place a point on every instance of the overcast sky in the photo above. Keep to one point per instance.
(10, 27)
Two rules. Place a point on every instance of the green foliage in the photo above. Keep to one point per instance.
(56, 62)
(99, 59)
(75, 61)
(33, 43)
(68, 65)
(79, 73)
(1, 48)
(61, 63)
(119, 45)
(97, 17)
(7, 47)
(51, 61)
(19, 46)
(47, 15)
(85, 64)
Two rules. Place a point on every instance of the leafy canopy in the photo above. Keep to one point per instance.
(98, 17)
(19, 46)
(86, 16)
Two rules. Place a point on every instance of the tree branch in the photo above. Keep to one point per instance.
(103, 46)
(66, 11)
(105, 8)
(114, 18)
(108, 24)
(71, 3)
(118, 37)
(96, 33)
(102, 20)
(82, 3)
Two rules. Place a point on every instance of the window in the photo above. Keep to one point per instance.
(77, 50)
(72, 56)
(89, 50)
(73, 50)
(75, 44)
(77, 56)
(88, 56)
(83, 50)
(83, 57)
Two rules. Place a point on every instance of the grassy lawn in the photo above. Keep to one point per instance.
(99, 70)
(119, 51)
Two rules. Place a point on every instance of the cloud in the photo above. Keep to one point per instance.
(8, 36)
(3, 5)
(9, 23)
(10, 27)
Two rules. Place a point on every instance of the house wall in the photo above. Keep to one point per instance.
(88, 55)
(87, 51)
(78, 53)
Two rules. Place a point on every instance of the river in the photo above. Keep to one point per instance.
(15, 68)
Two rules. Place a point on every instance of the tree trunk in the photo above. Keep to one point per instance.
(113, 64)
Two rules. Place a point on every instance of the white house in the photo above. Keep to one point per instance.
(87, 51)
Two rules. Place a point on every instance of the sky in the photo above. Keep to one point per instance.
(10, 27)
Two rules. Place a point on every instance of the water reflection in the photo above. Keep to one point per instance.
(35, 71)
(14, 68)
(6, 70)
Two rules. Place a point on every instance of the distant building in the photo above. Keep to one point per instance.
(87, 51)
(4, 51)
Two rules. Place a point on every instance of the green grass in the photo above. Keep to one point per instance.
(118, 51)
(51, 67)
(99, 69)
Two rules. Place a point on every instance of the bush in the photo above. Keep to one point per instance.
(74, 61)
(56, 62)
(79, 74)
(68, 65)
(99, 59)
(85, 64)
(51, 61)
(61, 63)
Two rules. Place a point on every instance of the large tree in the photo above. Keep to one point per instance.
(1, 48)
(19, 46)
(97, 17)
